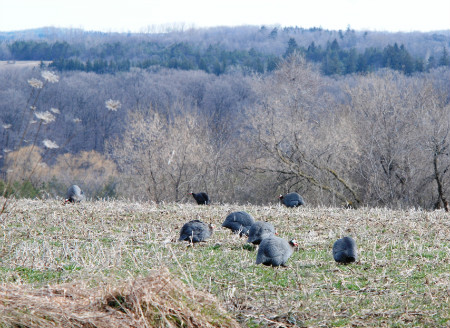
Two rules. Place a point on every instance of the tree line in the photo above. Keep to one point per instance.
(332, 59)
(337, 61)
(218, 58)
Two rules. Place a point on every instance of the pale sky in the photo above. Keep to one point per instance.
(138, 15)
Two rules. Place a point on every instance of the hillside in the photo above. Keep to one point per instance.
(401, 277)
(345, 118)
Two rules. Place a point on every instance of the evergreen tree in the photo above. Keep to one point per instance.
(332, 65)
(445, 59)
(373, 58)
(398, 58)
(202, 65)
(407, 62)
(292, 47)
(432, 63)
(272, 63)
(314, 53)
(351, 62)
(362, 65)
(218, 68)
(274, 33)
(334, 46)
(419, 65)
(89, 66)
(60, 50)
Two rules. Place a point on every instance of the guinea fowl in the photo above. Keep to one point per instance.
(201, 198)
(344, 250)
(275, 251)
(292, 200)
(259, 231)
(239, 222)
(74, 194)
(195, 231)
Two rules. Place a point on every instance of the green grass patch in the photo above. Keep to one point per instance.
(33, 276)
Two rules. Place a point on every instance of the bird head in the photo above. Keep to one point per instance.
(293, 243)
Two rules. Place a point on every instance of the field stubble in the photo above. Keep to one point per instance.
(402, 277)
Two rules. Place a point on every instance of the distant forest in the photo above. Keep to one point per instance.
(251, 50)
(345, 118)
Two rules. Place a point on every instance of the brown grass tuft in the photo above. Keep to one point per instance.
(158, 300)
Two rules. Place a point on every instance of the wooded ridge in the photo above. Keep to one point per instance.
(216, 50)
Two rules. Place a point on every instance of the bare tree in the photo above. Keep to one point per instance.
(162, 157)
(435, 145)
(385, 118)
(298, 138)
(440, 148)
(400, 124)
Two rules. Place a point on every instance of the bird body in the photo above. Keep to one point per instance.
(195, 231)
(292, 199)
(344, 250)
(259, 231)
(201, 198)
(239, 222)
(74, 194)
(275, 251)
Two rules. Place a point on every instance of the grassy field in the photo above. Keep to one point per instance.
(21, 63)
(402, 278)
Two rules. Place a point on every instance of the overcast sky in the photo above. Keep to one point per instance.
(138, 15)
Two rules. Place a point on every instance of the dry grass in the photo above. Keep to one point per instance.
(157, 300)
(402, 277)
(21, 63)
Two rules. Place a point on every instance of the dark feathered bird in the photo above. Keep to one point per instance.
(275, 251)
(259, 231)
(74, 194)
(201, 198)
(292, 200)
(195, 231)
(239, 222)
(344, 250)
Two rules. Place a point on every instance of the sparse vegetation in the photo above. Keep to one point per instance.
(96, 248)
